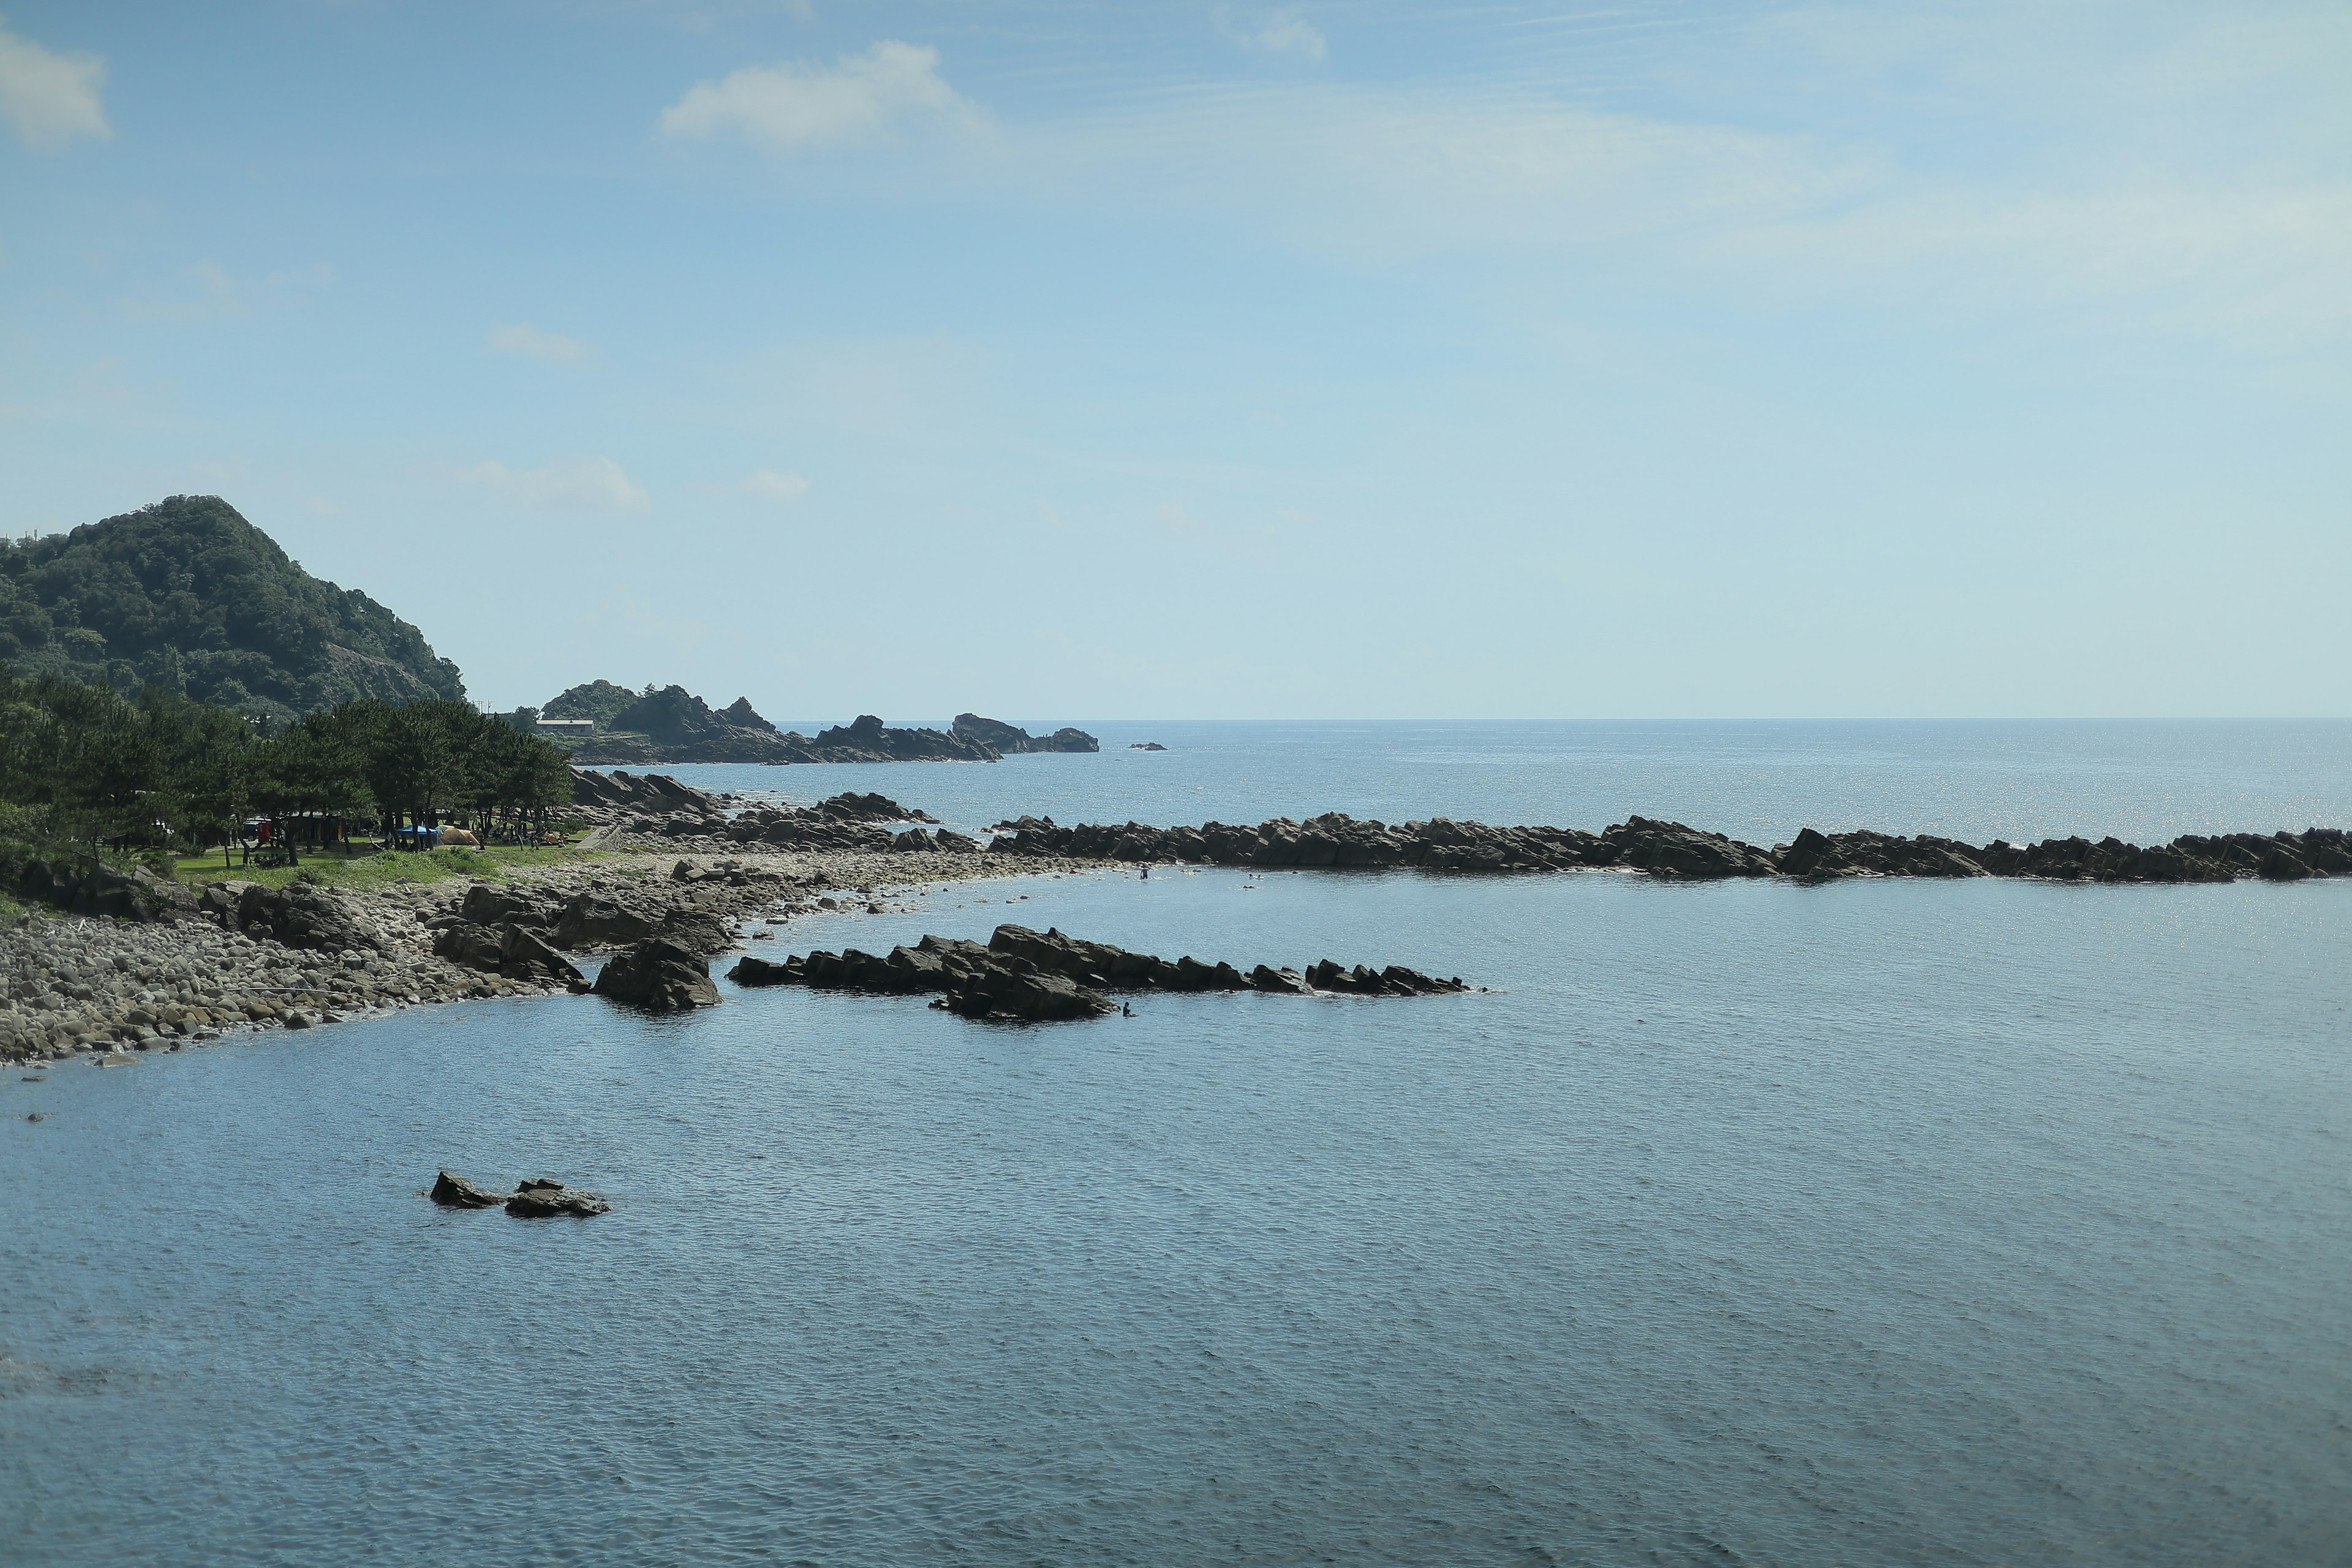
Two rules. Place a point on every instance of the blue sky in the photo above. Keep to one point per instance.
(1221, 361)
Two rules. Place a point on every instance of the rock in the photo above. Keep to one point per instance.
(453, 1190)
(658, 976)
(489, 905)
(761, 972)
(543, 1199)
(1021, 992)
(1279, 982)
(1145, 746)
(524, 954)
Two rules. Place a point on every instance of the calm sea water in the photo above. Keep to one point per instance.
(1875, 1223)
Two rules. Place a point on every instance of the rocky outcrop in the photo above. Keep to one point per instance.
(1009, 739)
(1025, 974)
(1671, 849)
(454, 1192)
(545, 1198)
(658, 976)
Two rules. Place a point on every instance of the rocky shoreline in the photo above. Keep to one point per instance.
(167, 966)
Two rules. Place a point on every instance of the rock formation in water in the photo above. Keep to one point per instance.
(1671, 849)
(658, 976)
(1035, 975)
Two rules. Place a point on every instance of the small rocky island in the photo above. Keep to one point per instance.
(1039, 976)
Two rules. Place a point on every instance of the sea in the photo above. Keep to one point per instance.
(1874, 1222)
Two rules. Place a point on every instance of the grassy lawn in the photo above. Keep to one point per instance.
(382, 870)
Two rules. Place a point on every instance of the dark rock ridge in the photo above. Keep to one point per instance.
(658, 976)
(1009, 739)
(1145, 746)
(1027, 974)
(1672, 849)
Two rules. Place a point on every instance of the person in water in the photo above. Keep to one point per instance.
(1125, 1011)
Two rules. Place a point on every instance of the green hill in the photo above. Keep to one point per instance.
(188, 595)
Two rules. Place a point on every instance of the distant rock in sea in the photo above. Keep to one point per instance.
(1145, 746)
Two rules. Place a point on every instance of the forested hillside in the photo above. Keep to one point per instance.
(187, 596)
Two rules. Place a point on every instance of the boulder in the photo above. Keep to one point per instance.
(486, 903)
(301, 916)
(453, 1190)
(524, 954)
(545, 1198)
(659, 976)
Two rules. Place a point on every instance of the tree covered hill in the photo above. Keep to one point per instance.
(187, 596)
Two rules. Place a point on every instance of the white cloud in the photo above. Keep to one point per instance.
(554, 348)
(1275, 33)
(51, 98)
(567, 484)
(766, 484)
(796, 106)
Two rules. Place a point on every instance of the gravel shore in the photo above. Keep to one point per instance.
(72, 984)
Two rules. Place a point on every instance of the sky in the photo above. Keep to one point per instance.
(1348, 360)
